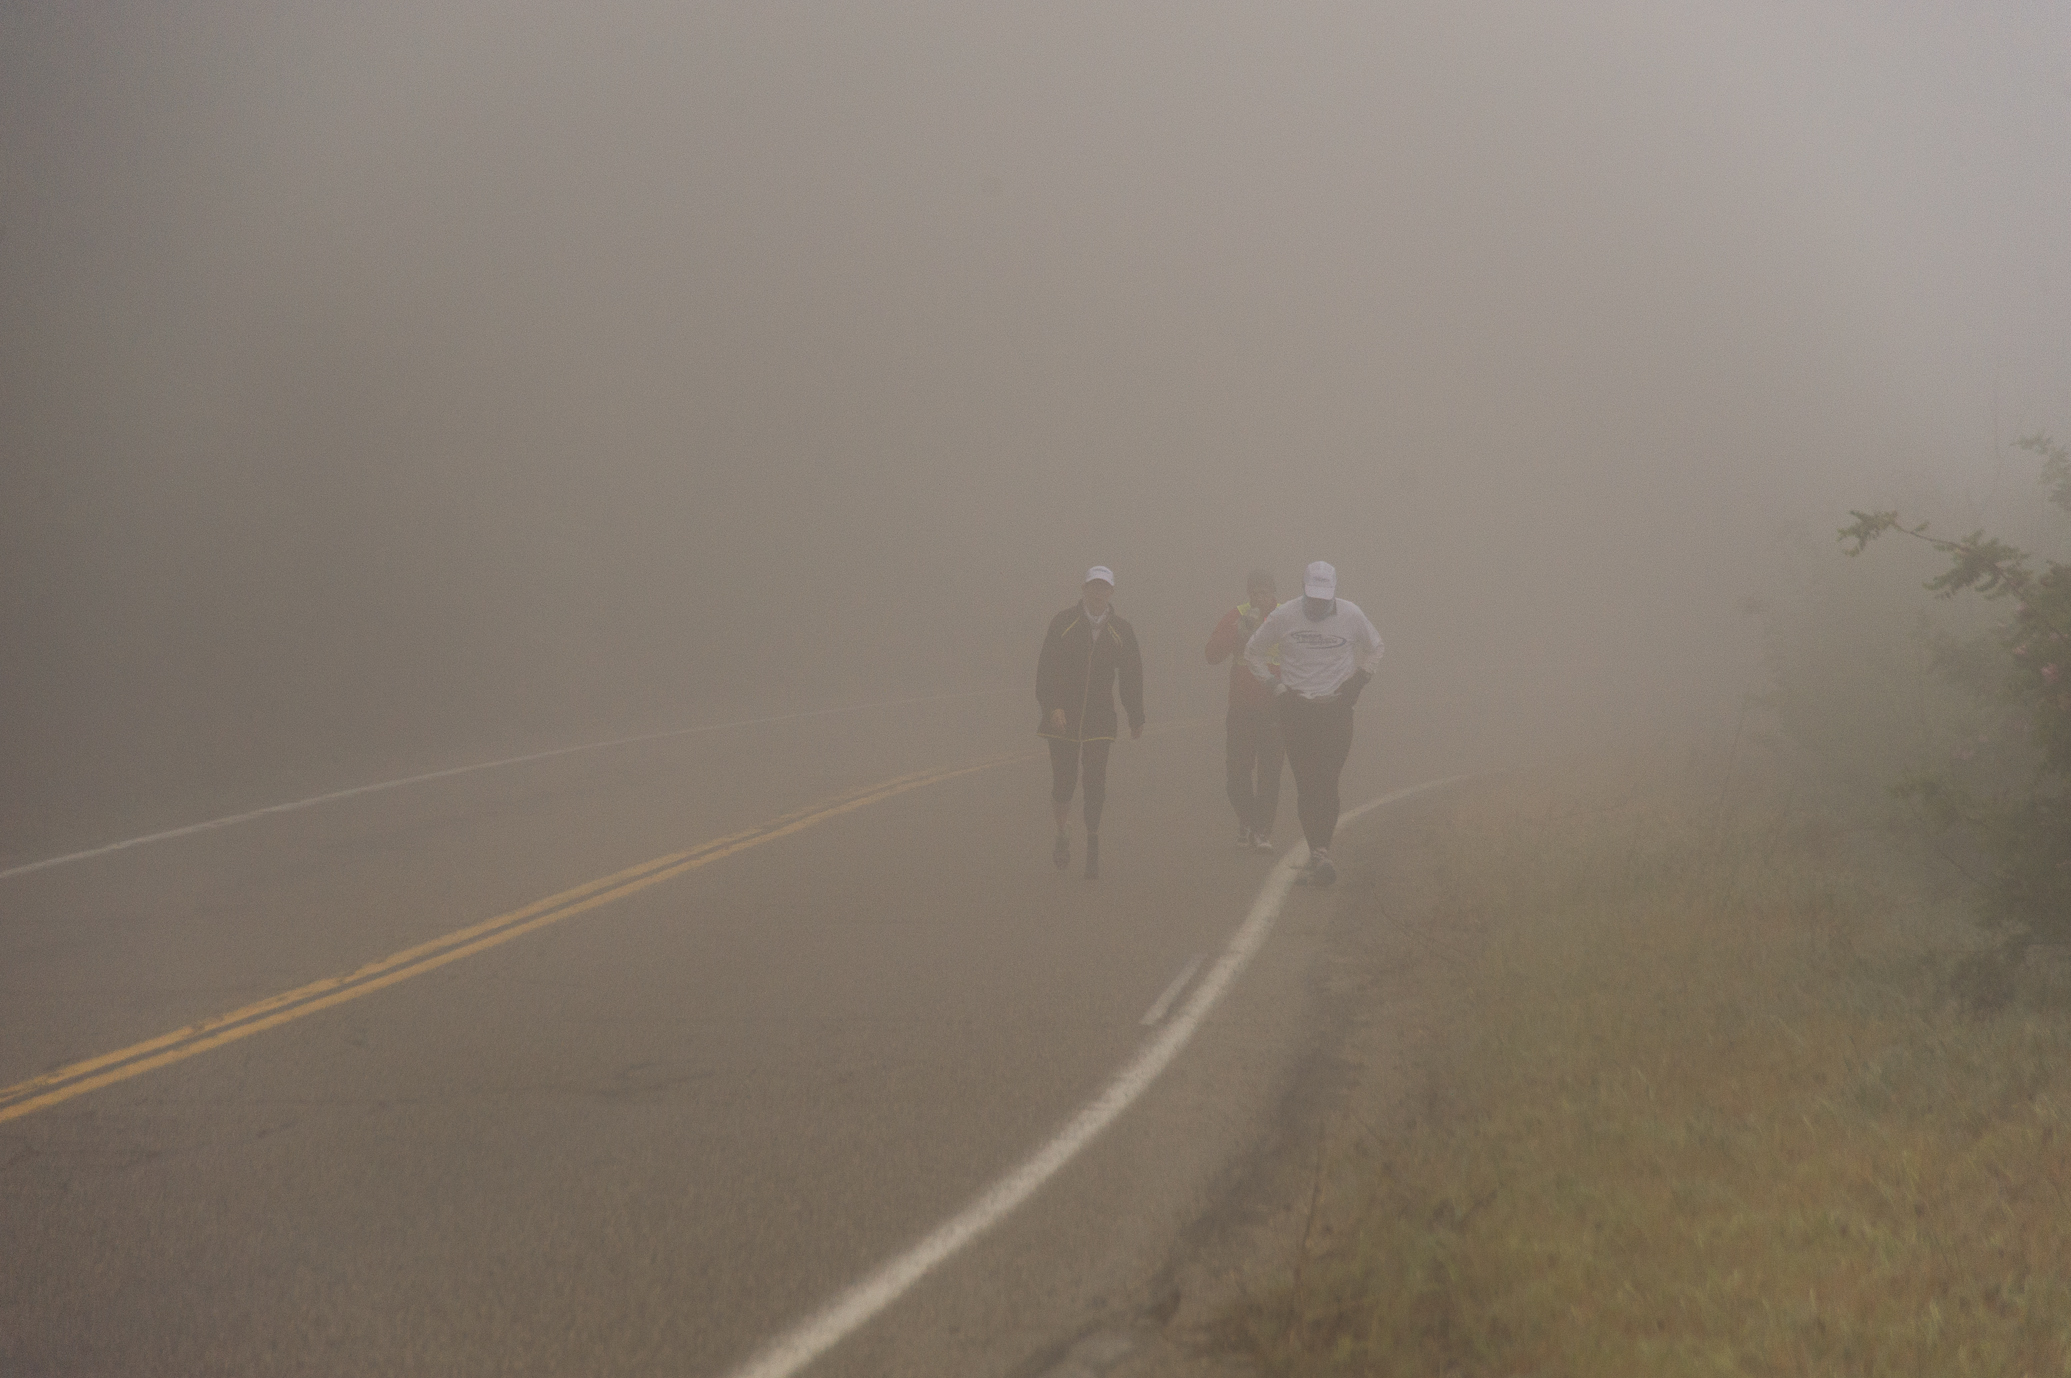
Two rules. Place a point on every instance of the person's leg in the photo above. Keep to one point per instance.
(1297, 734)
(1266, 794)
(1096, 783)
(1318, 737)
(1064, 778)
(1333, 743)
(1240, 746)
(1096, 798)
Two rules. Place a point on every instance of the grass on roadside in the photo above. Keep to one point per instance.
(1705, 1111)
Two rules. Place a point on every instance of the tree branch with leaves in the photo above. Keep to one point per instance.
(2026, 831)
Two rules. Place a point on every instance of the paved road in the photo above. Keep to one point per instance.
(650, 1136)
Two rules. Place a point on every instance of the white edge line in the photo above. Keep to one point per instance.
(1179, 983)
(821, 1331)
(230, 820)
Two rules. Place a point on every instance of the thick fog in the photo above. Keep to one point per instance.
(387, 385)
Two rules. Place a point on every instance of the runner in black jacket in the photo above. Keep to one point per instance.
(1087, 648)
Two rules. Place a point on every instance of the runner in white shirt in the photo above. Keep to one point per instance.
(1328, 650)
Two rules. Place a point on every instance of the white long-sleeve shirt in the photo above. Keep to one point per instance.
(1315, 657)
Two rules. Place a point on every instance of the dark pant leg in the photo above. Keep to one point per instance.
(1318, 737)
(1265, 794)
(1096, 782)
(1252, 754)
(1334, 733)
(1298, 727)
(1240, 750)
(1064, 769)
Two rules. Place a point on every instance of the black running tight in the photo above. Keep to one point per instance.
(1318, 737)
(1064, 775)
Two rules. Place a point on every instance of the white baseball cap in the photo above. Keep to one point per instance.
(1321, 581)
(1102, 573)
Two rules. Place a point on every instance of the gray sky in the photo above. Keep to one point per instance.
(389, 381)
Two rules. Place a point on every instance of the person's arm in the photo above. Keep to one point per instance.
(1132, 680)
(1366, 654)
(1225, 640)
(1369, 656)
(1047, 663)
(1258, 651)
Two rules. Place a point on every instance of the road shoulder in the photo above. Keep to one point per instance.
(1377, 1021)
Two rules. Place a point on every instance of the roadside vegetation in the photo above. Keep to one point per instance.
(2012, 799)
(1758, 1064)
(1709, 1109)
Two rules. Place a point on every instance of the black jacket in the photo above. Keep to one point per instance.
(1077, 673)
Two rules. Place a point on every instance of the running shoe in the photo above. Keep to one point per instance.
(1060, 855)
(1261, 843)
(1319, 872)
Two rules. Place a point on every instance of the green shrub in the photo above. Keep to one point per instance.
(2015, 805)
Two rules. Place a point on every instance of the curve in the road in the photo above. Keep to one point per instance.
(848, 1312)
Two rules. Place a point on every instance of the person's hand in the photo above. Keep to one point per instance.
(1135, 730)
(1056, 720)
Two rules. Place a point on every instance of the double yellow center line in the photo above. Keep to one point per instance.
(39, 1093)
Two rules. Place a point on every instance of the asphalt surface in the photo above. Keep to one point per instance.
(653, 1135)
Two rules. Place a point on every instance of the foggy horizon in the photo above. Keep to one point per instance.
(393, 384)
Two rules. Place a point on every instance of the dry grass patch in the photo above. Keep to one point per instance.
(1706, 1112)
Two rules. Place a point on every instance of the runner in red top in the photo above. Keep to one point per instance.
(1252, 731)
